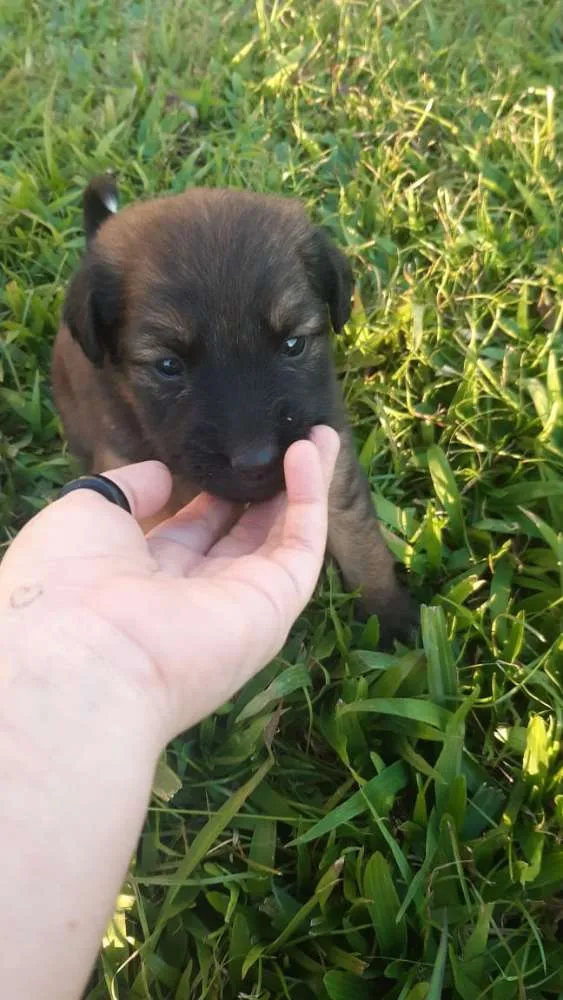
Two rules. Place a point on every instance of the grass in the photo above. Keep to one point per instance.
(354, 824)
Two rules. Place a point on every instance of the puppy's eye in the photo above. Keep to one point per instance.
(292, 347)
(169, 367)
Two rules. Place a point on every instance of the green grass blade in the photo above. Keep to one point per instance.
(442, 673)
(448, 765)
(438, 972)
(324, 888)
(166, 782)
(404, 708)
(447, 492)
(384, 907)
(291, 679)
(262, 852)
(345, 986)
(207, 837)
(380, 791)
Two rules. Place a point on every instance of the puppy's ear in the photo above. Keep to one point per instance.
(100, 200)
(93, 309)
(333, 278)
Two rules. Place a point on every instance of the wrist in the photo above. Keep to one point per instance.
(68, 663)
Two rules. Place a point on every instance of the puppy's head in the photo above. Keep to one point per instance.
(210, 314)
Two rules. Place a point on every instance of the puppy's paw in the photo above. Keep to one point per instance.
(399, 617)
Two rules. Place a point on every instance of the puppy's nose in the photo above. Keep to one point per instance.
(255, 461)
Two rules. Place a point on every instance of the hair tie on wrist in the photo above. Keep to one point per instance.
(99, 484)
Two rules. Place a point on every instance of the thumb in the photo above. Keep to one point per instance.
(147, 486)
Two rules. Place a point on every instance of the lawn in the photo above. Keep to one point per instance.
(356, 824)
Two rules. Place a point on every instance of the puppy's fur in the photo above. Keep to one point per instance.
(197, 332)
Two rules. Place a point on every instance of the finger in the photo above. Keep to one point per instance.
(327, 442)
(265, 521)
(87, 534)
(250, 531)
(147, 486)
(179, 543)
(300, 545)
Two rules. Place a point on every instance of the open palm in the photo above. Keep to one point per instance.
(209, 595)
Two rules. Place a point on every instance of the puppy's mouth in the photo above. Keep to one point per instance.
(244, 489)
(214, 473)
(252, 474)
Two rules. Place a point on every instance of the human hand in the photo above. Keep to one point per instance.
(207, 598)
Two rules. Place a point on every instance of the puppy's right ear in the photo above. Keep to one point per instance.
(332, 274)
(93, 309)
(100, 200)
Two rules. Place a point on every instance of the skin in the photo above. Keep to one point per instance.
(110, 648)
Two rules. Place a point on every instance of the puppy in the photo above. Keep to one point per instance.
(196, 331)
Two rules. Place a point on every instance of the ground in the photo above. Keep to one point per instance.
(354, 824)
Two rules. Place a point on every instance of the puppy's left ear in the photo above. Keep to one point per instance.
(93, 308)
(332, 275)
(100, 200)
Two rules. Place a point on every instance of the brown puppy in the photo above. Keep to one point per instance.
(197, 332)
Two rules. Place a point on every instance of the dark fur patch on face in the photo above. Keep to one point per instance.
(212, 309)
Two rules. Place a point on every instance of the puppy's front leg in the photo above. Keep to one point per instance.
(355, 542)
